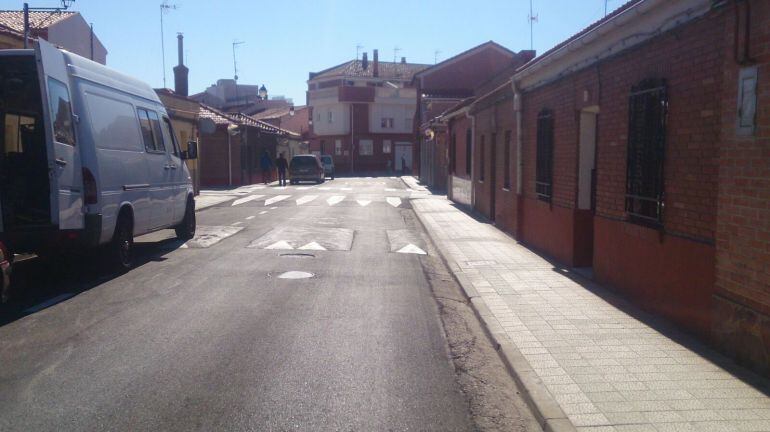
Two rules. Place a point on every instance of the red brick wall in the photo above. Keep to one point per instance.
(467, 73)
(458, 126)
(742, 322)
(213, 162)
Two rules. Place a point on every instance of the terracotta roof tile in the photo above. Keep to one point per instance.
(221, 118)
(387, 70)
(14, 20)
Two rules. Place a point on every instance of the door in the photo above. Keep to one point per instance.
(179, 176)
(584, 222)
(492, 176)
(64, 167)
(403, 157)
(159, 175)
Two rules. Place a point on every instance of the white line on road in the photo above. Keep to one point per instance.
(363, 203)
(394, 201)
(236, 223)
(411, 249)
(306, 199)
(275, 199)
(250, 218)
(335, 199)
(324, 188)
(312, 246)
(283, 244)
(391, 190)
(263, 212)
(246, 199)
(273, 208)
(346, 188)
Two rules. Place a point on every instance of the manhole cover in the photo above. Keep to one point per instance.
(297, 255)
(295, 275)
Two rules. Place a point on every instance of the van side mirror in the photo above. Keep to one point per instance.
(191, 152)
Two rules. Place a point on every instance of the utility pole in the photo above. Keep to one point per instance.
(65, 4)
(164, 8)
(532, 20)
(235, 67)
(435, 56)
(605, 7)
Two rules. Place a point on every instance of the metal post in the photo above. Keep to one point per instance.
(162, 46)
(229, 159)
(26, 25)
(92, 41)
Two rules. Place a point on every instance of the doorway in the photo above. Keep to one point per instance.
(492, 176)
(403, 156)
(584, 221)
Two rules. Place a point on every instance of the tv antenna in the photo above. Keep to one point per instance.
(359, 47)
(164, 8)
(532, 20)
(435, 56)
(396, 50)
(236, 43)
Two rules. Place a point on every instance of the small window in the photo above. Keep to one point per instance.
(747, 101)
(386, 146)
(544, 167)
(482, 157)
(168, 136)
(330, 116)
(144, 122)
(365, 147)
(61, 112)
(386, 122)
(507, 160)
(157, 132)
(648, 107)
(468, 150)
(338, 147)
(408, 123)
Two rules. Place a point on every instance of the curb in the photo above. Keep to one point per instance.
(546, 410)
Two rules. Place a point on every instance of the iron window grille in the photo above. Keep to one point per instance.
(544, 167)
(648, 108)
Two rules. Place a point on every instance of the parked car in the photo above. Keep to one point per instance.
(91, 159)
(328, 163)
(306, 168)
(5, 272)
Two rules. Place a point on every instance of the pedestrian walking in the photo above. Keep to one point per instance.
(403, 164)
(266, 163)
(282, 166)
(389, 165)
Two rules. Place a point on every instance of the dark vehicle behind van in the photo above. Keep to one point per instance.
(306, 168)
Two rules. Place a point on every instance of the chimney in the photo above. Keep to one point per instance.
(180, 70)
(376, 67)
(403, 60)
(365, 62)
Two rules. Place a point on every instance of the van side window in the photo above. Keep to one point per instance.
(61, 112)
(157, 133)
(168, 136)
(144, 122)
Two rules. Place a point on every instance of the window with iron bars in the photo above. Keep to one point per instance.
(648, 107)
(544, 167)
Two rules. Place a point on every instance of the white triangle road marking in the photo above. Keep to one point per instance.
(411, 249)
(394, 201)
(283, 244)
(363, 203)
(249, 217)
(275, 199)
(312, 246)
(335, 199)
(263, 212)
(246, 199)
(306, 199)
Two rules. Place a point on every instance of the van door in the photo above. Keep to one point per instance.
(159, 179)
(177, 173)
(64, 166)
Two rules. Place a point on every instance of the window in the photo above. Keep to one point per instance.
(544, 167)
(507, 160)
(386, 122)
(168, 136)
(468, 151)
(323, 147)
(155, 122)
(452, 153)
(330, 116)
(151, 133)
(61, 113)
(365, 147)
(338, 147)
(648, 106)
(408, 123)
(747, 100)
(318, 116)
(386, 146)
(482, 157)
(113, 123)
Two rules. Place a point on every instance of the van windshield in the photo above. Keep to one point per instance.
(24, 187)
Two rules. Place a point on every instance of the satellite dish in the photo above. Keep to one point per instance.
(207, 126)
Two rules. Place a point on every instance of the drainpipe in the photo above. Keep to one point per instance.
(229, 159)
(517, 111)
(473, 155)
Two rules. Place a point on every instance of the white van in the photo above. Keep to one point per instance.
(87, 157)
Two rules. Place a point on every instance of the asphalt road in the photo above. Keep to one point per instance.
(209, 336)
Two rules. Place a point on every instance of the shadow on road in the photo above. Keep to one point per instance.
(39, 283)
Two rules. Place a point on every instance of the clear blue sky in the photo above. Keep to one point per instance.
(284, 40)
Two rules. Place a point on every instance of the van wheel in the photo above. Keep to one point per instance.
(186, 229)
(122, 246)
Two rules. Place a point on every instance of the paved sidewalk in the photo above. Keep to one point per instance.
(587, 359)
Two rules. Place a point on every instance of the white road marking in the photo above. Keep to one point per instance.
(302, 187)
(346, 188)
(236, 223)
(335, 199)
(295, 275)
(273, 208)
(363, 203)
(394, 201)
(283, 244)
(275, 199)
(250, 218)
(324, 188)
(263, 212)
(391, 190)
(246, 199)
(411, 249)
(306, 199)
(312, 246)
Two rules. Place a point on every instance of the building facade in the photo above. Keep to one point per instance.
(362, 114)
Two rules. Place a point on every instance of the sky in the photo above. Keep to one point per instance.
(284, 40)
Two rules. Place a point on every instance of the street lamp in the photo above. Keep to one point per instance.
(263, 92)
(65, 4)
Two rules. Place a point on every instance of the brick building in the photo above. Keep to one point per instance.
(362, 113)
(624, 149)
